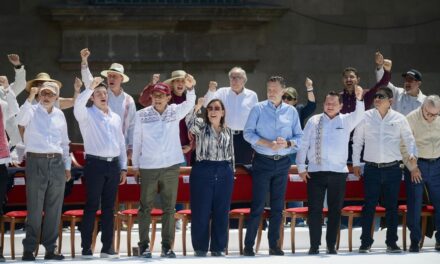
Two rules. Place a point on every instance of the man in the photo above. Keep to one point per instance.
(324, 136)
(274, 131)
(380, 133)
(157, 155)
(304, 111)
(238, 102)
(47, 168)
(409, 97)
(106, 163)
(119, 101)
(425, 125)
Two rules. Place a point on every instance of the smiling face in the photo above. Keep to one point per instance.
(411, 85)
(237, 80)
(350, 80)
(215, 112)
(178, 86)
(100, 98)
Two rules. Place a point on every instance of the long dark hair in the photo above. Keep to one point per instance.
(222, 120)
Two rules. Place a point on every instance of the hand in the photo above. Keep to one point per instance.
(68, 175)
(191, 137)
(357, 171)
(212, 86)
(275, 146)
(14, 59)
(282, 142)
(304, 176)
(77, 85)
(32, 93)
(378, 58)
(186, 149)
(199, 104)
(123, 177)
(416, 175)
(85, 53)
(387, 64)
(309, 83)
(4, 82)
(155, 78)
(190, 82)
(359, 92)
(136, 174)
(96, 82)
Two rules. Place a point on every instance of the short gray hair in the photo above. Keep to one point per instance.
(239, 70)
(432, 100)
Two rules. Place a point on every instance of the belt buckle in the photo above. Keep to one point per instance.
(276, 157)
(109, 159)
(50, 155)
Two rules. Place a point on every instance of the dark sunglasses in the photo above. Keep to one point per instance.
(214, 108)
(380, 96)
(288, 98)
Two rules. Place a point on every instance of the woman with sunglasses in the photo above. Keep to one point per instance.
(212, 178)
(291, 97)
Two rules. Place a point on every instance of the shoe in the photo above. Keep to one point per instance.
(87, 254)
(276, 251)
(51, 255)
(28, 256)
(109, 253)
(331, 250)
(217, 254)
(200, 253)
(393, 248)
(313, 251)
(144, 251)
(437, 246)
(249, 252)
(167, 253)
(364, 249)
(2, 258)
(414, 247)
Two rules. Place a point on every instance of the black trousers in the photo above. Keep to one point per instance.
(3, 185)
(317, 185)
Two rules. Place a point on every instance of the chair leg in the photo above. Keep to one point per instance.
(292, 231)
(118, 232)
(72, 236)
(153, 233)
(259, 233)
(12, 239)
(424, 224)
(129, 227)
(240, 233)
(60, 236)
(95, 233)
(350, 233)
(184, 224)
(404, 230)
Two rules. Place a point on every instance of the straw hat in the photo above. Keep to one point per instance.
(41, 77)
(116, 68)
(179, 74)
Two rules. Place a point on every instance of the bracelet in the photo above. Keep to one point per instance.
(18, 66)
(124, 170)
(310, 90)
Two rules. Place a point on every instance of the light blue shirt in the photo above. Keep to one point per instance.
(268, 122)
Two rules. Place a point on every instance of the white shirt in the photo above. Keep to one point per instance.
(45, 132)
(101, 132)
(123, 105)
(402, 102)
(334, 141)
(237, 106)
(9, 106)
(382, 137)
(156, 141)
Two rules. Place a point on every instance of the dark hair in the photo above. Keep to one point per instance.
(101, 84)
(350, 69)
(387, 91)
(278, 79)
(333, 93)
(222, 120)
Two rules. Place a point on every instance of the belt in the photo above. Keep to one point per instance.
(236, 132)
(108, 159)
(44, 155)
(383, 165)
(429, 160)
(273, 157)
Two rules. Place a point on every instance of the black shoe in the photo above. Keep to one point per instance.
(28, 256)
(364, 249)
(437, 246)
(2, 258)
(393, 248)
(248, 251)
(87, 254)
(167, 253)
(200, 253)
(144, 251)
(414, 247)
(217, 254)
(276, 251)
(332, 250)
(313, 251)
(53, 256)
(109, 253)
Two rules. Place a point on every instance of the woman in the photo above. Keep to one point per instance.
(212, 178)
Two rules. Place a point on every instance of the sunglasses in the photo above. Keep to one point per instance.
(214, 108)
(288, 98)
(380, 96)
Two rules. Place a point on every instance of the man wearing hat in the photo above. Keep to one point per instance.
(157, 155)
(408, 98)
(47, 168)
(119, 101)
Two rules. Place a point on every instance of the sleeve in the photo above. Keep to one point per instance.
(184, 108)
(297, 132)
(358, 143)
(210, 96)
(13, 107)
(86, 76)
(305, 145)
(231, 148)
(80, 109)
(408, 138)
(379, 75)
(354, 118)
(20, 81)
(130, 118)
(250, 129)
(194, 123)
(403, 149)
(122, 147)
(65, 145)
(137, 141)
(369, 95)
(26, 113)
(307, 110)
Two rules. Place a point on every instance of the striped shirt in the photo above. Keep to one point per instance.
(210, 145)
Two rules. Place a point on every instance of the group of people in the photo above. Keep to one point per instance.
(227, 126)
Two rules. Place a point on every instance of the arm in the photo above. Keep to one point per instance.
(20, 74)
(296, 131)
(408, 139)
(384, 81)
(137, 141)
(358, 142)
(131, 120)
(65, 145)
(86, 75)
(27, 111)
(354, 118)
(80, 109)
(212, 93)
(195, 124)
(184, 108)
(69, 102)
(305, 145)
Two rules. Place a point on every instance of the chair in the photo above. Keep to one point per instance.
(427, 210)
(183, 197)
(403, 210)
(13, 217)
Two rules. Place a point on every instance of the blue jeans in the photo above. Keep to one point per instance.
(431, 178)
(379, 181)
(268, 176)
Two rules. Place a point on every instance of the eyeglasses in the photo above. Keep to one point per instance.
(288, 98)
(429, 114)
(214, 108)
(46, 94)
(235, 78)
(380, 96)
(159, 95)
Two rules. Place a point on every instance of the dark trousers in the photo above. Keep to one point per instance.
(268, 176)
(319, 182)
(243, 151)
(386, 180)
(211, 184)
(101, 180)
(3, 185)
(430, 179)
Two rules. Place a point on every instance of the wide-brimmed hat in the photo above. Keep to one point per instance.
(116, 68)
(41, 77)
(179, 74)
